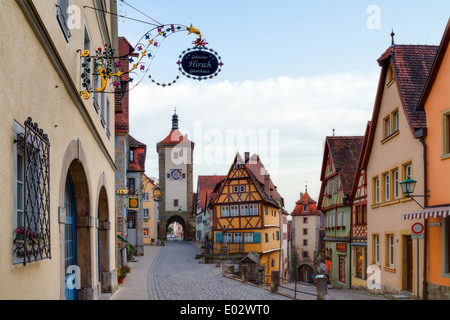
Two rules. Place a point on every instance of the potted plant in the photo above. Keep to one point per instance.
(121, 274)
(20, 237)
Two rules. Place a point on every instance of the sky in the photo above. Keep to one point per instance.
(293, 71)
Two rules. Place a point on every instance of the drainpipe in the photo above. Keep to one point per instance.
(425, 204)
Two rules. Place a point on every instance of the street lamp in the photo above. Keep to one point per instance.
(408, 186)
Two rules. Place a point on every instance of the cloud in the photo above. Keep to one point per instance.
(283, 119)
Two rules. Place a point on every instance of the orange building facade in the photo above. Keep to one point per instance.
(435, 101)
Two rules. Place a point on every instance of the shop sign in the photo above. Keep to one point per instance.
(133, 203)
(341, 247)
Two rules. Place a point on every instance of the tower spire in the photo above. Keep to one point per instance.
(392, 36)
(175, 120)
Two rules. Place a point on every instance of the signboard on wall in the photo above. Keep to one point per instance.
(133, 203)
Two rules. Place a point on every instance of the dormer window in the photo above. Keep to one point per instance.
(305, 208)
(131, 155)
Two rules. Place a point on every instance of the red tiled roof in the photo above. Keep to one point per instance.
(345, 152)
(205, 188)
(255, 165)
(175, 137)
(305, 199)
(412, 65)
(121, 104)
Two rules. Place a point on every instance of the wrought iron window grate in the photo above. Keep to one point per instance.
(32, 239)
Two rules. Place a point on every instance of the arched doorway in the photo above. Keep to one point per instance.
(178, 226)
(77, 238)
(304, 271)
(70, 241)
(102, 242)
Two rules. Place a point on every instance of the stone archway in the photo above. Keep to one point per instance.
(303, 272)
(103, 228)
(75, 164)
(180, 220)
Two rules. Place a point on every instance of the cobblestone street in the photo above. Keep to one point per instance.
(176, 275)
(172, 273)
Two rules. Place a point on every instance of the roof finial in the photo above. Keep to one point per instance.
(306, 187)
(333, 131)
(392, 36)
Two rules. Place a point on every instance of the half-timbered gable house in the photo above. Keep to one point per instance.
(339, 164)
(358, 200)
(246, 213)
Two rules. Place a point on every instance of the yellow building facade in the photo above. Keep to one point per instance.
(246, 214)
(57, 213)
(149, 210)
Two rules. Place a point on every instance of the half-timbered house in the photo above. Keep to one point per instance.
(339, 164)
(246, 213)
(358, 200)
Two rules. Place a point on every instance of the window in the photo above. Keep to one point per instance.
(146, 213)
(446, 238)
(234, 210)
(360, 262)
(376, 190)
(376, 249)
(278, 235)
(31, 194)
(336, 184)
(305, 242)
(146, 232)
(244, 210)
(175, 202)
(364, 214)
(339, 219)
(395, 121)
(108, 119)
(305, 208)
(131, 186)
(390, 250)
(248, 237)
(391, 124)
(62, 15)
(235, 189)
(146, 196)
(242, 188)
(305, 231)
(387, 127)
(254, 210)
(238, 237)
(131, 155)
(229, 237)
(267, 237)
(408, 171)
(305, 220)
(225, 211)
(446, 133)
(396, 184)
(386, 187)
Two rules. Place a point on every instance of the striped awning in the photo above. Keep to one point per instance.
(428, 213)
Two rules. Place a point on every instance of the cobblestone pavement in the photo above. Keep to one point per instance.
(172, 273)
(175, 274)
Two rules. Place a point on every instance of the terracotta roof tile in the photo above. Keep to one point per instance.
(205, 188)
(345, 152)
(412, 65)
(305, 199)
(140, 151)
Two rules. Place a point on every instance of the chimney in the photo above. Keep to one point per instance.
(267, 184)
(301, 195)
(247, 156)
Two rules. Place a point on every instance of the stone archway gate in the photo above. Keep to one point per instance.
(183, 218)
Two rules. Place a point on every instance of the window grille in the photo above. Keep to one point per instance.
(32, 238)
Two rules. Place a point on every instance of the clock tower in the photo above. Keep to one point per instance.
(175, 156)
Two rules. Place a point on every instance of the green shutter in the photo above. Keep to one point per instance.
(257, 237)
(219, 237)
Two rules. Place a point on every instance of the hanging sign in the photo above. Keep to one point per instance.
(200, 63)
(133, 203)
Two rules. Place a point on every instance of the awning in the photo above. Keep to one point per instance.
(125, 241)
(428, 213)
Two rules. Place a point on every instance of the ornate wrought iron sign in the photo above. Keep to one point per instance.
(104, 65)
(201, 64)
